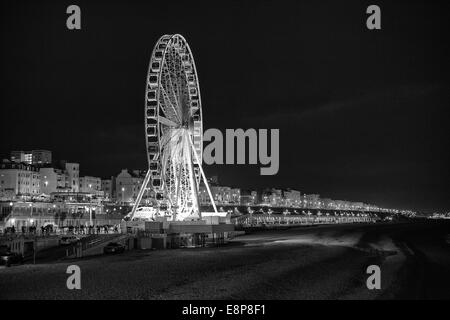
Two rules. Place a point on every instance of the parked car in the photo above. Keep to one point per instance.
(67, 240)
(114, 247)
(9, 258)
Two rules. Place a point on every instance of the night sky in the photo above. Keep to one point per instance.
(362, 114)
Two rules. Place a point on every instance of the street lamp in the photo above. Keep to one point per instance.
(123, 190)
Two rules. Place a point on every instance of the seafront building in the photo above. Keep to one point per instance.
(36, 157)
(36, 191)
(128, 183)
(18, 179)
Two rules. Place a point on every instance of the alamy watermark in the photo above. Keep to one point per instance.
(238, 139)
(74, 280)
(374, 280)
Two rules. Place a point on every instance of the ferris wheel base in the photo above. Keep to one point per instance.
(200, 226)
(207, 225)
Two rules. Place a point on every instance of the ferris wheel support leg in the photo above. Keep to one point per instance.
(203, 176)
(193, 180)
(141, 193)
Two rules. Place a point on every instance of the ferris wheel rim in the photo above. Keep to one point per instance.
(171, 42)
(170, 37)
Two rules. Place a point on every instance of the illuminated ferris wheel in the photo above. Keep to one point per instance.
(173, 130)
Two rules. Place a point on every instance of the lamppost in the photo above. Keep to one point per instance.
(269, 212)
(285, 213)
(123, 190)
(90, 214)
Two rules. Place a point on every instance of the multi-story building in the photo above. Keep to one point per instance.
(343, 205)
(21, 156)
(73, 173)
(203, 197)
(220, 194)
(61, 177)
(19, 179)
(91, 185)
(36, 157)
(128, 184)
(272, 197)
(248, 197)
(265, 197)
(339, 204)
(235, 196)
(54, 180)
(358, 205)
(292, 198)
(108, 186)
(327, 203)
(64, 176)
(311, 201)
(371, 207)
(276, 198)
(41, 157)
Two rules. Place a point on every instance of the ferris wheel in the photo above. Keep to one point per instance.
(173, 130)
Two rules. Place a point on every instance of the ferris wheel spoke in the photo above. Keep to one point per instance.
(173, 89)
(168, 80)
(180, 75)
(181, 80)
(167, 122)
(175, 74)
(169, 109)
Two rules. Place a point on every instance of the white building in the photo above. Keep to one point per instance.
(273, 197)
(292, 198)
(220, 194)
(19, 179)
(73, 173)
(248, 197)
(128, 184)
(37, 157)
(21, 156)
(54, 180)
(91, 185)
(63, 177)
(108, 188)
(311, 201)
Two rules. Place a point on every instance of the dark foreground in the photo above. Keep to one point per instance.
(326, 262)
